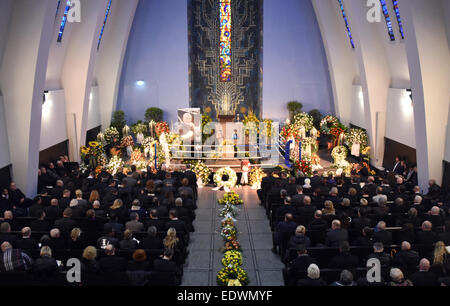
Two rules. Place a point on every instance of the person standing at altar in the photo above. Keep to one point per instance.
(245, 168)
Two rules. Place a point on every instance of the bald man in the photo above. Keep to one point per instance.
(426, 236)
(407, 259)
(336, 235)
(424, 277)
(435, 217)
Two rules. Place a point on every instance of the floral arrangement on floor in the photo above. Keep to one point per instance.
(202, 171)
(327, 123)
(231, 198)
(101, 138)
(115, 163)
(228, 232)
(339, 155)
(148, 144)
(93, 153)
(251, 124)
(255, 176)
(305, 166)
(233, 245)
(161, 127)
(312, 143)
(233, 258)
(139, 128)
(228, 276)
(222, 173)
(356, 136)
(229, 211)
(110, 134)
(138, 159)
(305, 120)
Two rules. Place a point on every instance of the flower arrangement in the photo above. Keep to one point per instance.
(127, 141)
(255, 176)
(305, 120)
(233, 258)
(231, 273)
(228, 232)
(327, 123)
(202, 171)
(288, 131)
(101, 137)
(229, 211)
(339, 155)
(228, 222)
(312, 143)
(267, 127)
(161, 127)
(231, 198)
(92, 151)
(110, 134)
(355, 136)
(304, 166)
(233, 245)
(102, 160)
(126, 130)
(139, 128)
(251, 124)
(221, 174)
(115, 163)
(173, 139)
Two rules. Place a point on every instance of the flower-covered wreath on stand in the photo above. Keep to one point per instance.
(231, 198)
(327, 123)
(202, 171)
(305, 166)
(228, 174)
(357, 136)
(161, 127)
(233, 258)
(232, 274)
(339, 155)
(110, 134)
(255, 177)
(303, 120)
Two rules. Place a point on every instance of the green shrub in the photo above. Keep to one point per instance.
(118, 121)
(294, 107)
(154, 113)
(315, 113)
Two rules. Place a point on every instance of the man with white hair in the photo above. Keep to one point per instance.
(407, 259)
(424, 277)
(58, 190)
(379, 195)
(13, 260)
(336, 235)
(435, 217)
(55, 242)
(312, 278)
(397, 278)
(417, 204)
(426, 236)
(53, 212)
(26, 242)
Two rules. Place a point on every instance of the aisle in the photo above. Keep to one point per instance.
(203, 263)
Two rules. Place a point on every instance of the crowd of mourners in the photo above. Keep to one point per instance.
(131, 223)
(329, 230)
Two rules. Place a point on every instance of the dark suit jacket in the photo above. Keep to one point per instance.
(179, 225)
(65, 225)
(334, 237)
(162, 265)
(426, 238)
(113, 263)
(26, 244)
(159, 224)
(424, 279)
(151, 243)
(383, 236)
(344, 261)
(40, 225)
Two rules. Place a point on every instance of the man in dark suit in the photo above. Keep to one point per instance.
(285, 227)
(112, 263)
(384, 258)
(152, 241)
(307, 211)
(40, 225)
(336, 234)
(424, 277)
(287, 208)
(344, 260)
(154, 221)
(316, 180)
(407, 259)
(382, 235)
(113, 225)
(53, 212)
(26, 242)
(398, 168)
(297, 199)
(65, 200)
(291, 187)
(165, 263)
(57, 191)
(5, 234)
(66, 224)
(426, 236)
(56, 242)
(190, 175)
(298, 267)
(176, 223)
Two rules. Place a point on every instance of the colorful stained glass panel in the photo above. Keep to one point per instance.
(225, 40)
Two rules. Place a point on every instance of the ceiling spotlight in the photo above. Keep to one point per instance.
(140, 83)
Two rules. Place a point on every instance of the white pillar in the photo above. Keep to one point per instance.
(429, 66)
(78, 71)
(22, 80)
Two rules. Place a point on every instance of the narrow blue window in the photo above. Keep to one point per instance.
(399, 19)
(388, 20)
(57, 9)
(344, 15)
(104, 24)
(64, 21)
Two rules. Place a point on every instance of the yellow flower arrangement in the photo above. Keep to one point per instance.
(231, 198)
(232, 273)
(233, 258)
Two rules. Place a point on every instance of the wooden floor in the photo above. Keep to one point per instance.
(204, 260)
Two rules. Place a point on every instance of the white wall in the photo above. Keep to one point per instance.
(400, 118)
(357, 110)
(4, 144)
(53, 122)
(6, 7)
(447, 143)
(94, 109)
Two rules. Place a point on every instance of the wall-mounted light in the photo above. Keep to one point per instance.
(407, 104)
(91, 96)
(140, 83)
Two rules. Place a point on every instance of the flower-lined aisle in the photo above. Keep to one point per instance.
(231, 274)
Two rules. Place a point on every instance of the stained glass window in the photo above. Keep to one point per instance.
(388, 20)
(57, 9)
(225, 40)
(104, 24)
(64, 21)
(399, 19)
(344, 15)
